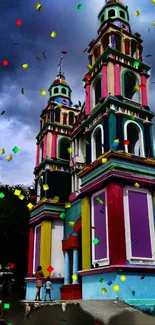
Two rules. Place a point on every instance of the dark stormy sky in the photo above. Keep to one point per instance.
(75, 29)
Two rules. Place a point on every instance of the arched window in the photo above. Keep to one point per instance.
(118, 41)
(133, 49)
(64, 144)
(57, 114)
(96, 91)
(127, 46)
(63, 90)
(56, 90)
(105, 41)
(122, 14)
(111, 13)
(130, 81)
(134, 134)
(102, 18)
(97, 142)
(41, 150)
(39, 189)
(71, 118)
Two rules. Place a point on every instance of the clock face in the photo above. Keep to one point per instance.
(65, 102)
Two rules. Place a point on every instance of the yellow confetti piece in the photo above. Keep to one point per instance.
(122, 278)
(58, 106)
(71, 223)
(45, 187)
(136, 185)
(53, 34)
(153, 23)
(21, 197)
(17, 192)
(9, 158)
(74, 277)
(43, 92)
(86, 142)
(69, 150)
(30, 205)
(38, 6)
(67, 205)
(22, 91)
(136, 88)
(137, 13)
(153, 1)
(104, 290)
(44, 199)
(104, 160)
(2, 151)
(117, 141)
(89, 66)
(116, 287)
(56, 198)
(0, 267)
(25, 66)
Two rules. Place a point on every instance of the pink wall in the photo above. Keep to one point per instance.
(88, 99)
(117, 80)
(144, 92)
(54, 145)
(37, 154)
(45, 146)
(104, 82)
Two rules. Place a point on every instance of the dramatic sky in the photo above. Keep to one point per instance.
(75, 29)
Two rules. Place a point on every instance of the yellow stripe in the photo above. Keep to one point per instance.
(86, 261)
(45, 246)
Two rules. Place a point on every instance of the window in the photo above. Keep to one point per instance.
(127, 47)
(41, 150)
(130, 81)
(133, 49)
(63, 90)
(134, 134)
(64, 118)
(64, 144)
(57, 114)
(118, 41)
(105, 41)
(111, 13)
(39, 189)
(97, 53)
(96, 142)
(102, 18)
(122, 14)
(96, 91)
(71, 118)
(56, 90)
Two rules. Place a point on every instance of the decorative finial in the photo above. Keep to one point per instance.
(60, 65)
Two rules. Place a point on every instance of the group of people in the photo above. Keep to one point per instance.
(39, 284)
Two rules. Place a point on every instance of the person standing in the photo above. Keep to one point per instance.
(39, 281)
(48, 287)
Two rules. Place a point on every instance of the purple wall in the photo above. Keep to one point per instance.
(139, 224)
(100, 227)
(37, 251)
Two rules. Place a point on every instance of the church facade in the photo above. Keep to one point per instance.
(95, 224)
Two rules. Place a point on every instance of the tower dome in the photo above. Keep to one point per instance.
(59, 91)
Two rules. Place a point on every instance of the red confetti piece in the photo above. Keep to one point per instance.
(5, 63)
(50, 269)
(11, 265)
(32, 197)
(19, 22)
(126, 142)
(64, 52)
(142, 86)
(87, 76)
(143, 276)
(2, 113)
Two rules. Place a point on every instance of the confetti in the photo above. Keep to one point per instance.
(95, 241)
(153, 1)
(56, 198)
(71, 223)
(92, 227)
(0, 267)
(2, 151)
(79, 6)
(9, 158)
(116, 287)
(11, 265)
(85, 50)
(43, 92)
(137, 13)
(104, 160)
(147, 56)
(136, 64)
(17, 192)
(62, 215)
(50, 269)
(104, 290)
(44, 199)
(67, 205)
(142, 86)
(5, 63)
(136, 241)
(136, 88)
(21, 197)
(69, 150)
(136, 185)
(2, 195)
(22, 91)
(6, 306)
(115, 145)
(45, 187)
(122, 278)
(153, 23)
(44, 55)
(117, 141)
(58, 106)
(30, 205)
(53, 34)
(64, 52)
(101, 280)
(15, 149)
(37, 57)
(126, 142)
(19, 22)
(74, 277)
(2, 112)
(99, 200)
(89, 66)
(109, 283)
(75, 234)
(25, 66)
(38, 6)
(143, 276)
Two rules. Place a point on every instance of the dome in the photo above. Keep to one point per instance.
(60, 79)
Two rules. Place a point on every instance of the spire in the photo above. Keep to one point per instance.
(60, 73)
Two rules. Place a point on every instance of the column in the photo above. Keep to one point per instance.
(31, 251)
(112, 41)
(67, 269)
(117, 80)
(75, 265)
(45, 246)
(104, 81)
(86, 243)
(144, 98)
(88, 108)
(37, 154)
(54, 145)
(45, 146)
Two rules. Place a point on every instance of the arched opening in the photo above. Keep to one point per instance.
(97, 90)
(127, 46)
(102, 18)
(118, 41)
(41, 150)
(105, 41)
(98, 140)
(133, 135)
(57, 114)
(111, 13)
(63, 90)
(122, 14)
(56, 90)
(97, 53)
(63, 152)
(133, 49)
(130, 81)
(71, 118)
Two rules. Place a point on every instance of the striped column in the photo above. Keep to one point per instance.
(54, 146)
(45, 246)
(45, 146)
(75, 265)
(86, 258)
(88, 108)
(117, 80)
(37, 154)
(31, 251)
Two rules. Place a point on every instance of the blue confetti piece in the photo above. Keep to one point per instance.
(109, 283)
(102, 211)
(74, 234)
(102, 145)
(115, 145)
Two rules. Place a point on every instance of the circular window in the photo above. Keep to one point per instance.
(64, 101)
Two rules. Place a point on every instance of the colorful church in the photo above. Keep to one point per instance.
(94, 223)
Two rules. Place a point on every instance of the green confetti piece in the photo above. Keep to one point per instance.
(85, 50)
(15, 149)
(96, 241)
(101, 280)
(132, 117)
(6, 306)
(79, 6)
(2, 195)
(136, 64)
(62, 215)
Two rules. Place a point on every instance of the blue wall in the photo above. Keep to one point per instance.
(144, 289)
(72, 214)
(31, 291)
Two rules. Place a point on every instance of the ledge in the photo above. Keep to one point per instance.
(118, 268)
(54, 279)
